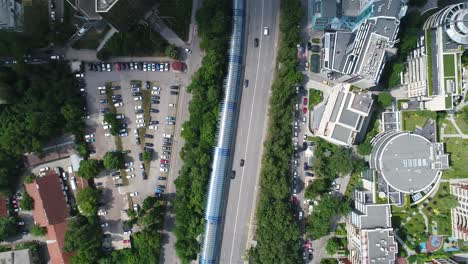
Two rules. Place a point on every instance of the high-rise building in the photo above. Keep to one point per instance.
(11, 15)
(460, 212)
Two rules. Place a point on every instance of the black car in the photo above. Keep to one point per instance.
(242, 161)
(139, 111)
(167, 144)
(92, 151)
(162, 178)
(117, 96)
(152, 110)
(154, 101)
(150, 150)
(140, 156)
(148, 85)
(155, 97)
(256, 42)
(143, 173)
(246, 83)
(136, 93)
(149, 144)
(233, 174)
(116, 100)
(118, 185)
(115, 173)
(137, 141)
(161, 187)
(174, 92)
(123, 126)
(154, 122)
(175, 87)
(123, 67)
(115, 87)
(103, 101)
(149, 136)
(104, 110)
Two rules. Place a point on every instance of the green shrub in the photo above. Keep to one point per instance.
(38, 231)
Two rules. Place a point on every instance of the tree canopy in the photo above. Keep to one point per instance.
(384, 99)
(113, 160)
(87, 200)
(89, 168)
(84, 237)
(8, 227)
(319, 222)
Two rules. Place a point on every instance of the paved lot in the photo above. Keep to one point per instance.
(117, 199)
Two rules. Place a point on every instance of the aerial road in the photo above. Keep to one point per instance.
(259, 71)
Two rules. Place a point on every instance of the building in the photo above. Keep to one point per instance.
(370, 233)
(23, 256)
(460, 213)
(51, 211)
(433, 71)
(442, 261)
(408, 162)
(346, 116)
(358, 55)
(11, 15)
(123, 14)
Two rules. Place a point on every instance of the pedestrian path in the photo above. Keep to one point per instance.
(459, 134)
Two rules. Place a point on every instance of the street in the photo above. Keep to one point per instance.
(259, 70)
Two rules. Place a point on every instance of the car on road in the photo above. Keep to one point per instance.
(242, 161)
(233, 174)
(266, 31)
(256, 42)
(138, 98)
(133, 194)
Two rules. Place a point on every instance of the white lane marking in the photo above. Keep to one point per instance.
(248, 134)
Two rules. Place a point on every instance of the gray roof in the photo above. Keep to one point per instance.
(351, 8)
(406, 161)
(389, 8)
(328, 8)
(377, 216)
(362, 102)
(341, 133)
(337, 106)
(23, 256)
(88, 8)
(343, 40)
(382, 246)
(349, 118)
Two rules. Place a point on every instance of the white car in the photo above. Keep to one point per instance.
(105, 224)
(79, 75)
(138, 107)
(107, 134)
(155, 92)
(140, 125)
(102, 213)
(156, 88)
(128, 164)
(172, 105)
(266, 31)
(129, 169)
(120, 116)
(129, 232)
(118, 104)
(101, 88)
(138, 98)
(140, 121)
(89, 136)
(44, 169)
(130, 176)
(140, 116)
(167, 135)
(153, 127)
(116, 177)
(136, 132)
(189, 51)
(164, 157)
(102, 92)
(163, 169)
(133, 194)
(123, 134)
(106, 126)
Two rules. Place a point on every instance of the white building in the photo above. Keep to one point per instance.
(460, 213)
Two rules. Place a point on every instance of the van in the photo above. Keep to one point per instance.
(73, 183)
(70, 169)
(266, 31)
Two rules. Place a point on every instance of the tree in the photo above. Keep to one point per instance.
(111, 119)
(172, 52)
(147, 156)
(464, 114)
(84, 237)
(88, 200)
(82, 149)
(113, 160)
(323, 215)
(29, 178)
(8, 227)
(464, 58)
(333, 245)
(89, 168)
(27, 202)
(384, 99)
(317, 188)
(38, 231)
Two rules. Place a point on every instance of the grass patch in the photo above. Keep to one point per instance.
(411, 119)
(449, 65)
(429, 61)
(146, 94)
(438, 209)
(354, 182)
(413, 231)
(315, 97)
(462, 124)
(91, 39)
(456, 147)
(448, 102)
(449, 128)
(177, 15)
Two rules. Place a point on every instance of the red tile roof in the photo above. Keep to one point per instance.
(51, 211)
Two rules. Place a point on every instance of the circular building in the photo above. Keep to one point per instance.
(408, 162)
(454, 19)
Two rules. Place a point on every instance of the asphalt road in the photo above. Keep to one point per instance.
(259, 70)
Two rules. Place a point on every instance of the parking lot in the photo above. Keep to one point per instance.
(115, 199)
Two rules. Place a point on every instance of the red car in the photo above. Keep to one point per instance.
(117, 66)
(305, 100)
(294, 199)
(126, 241)
(164, 161)
(304, 110)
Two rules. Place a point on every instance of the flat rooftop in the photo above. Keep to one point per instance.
(104, 5)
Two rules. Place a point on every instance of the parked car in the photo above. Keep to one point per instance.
(152, 110)
(138, 98)
(161, 178)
